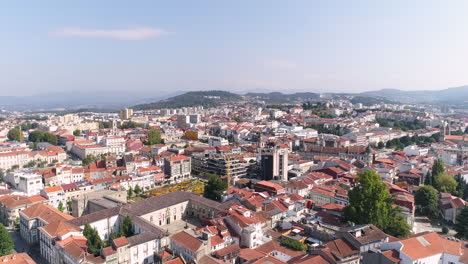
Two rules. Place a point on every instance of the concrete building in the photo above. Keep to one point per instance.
(177, 168)
(25, 181)
(274, 163)
(126, 113)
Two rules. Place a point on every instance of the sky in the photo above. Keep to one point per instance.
(159, 47)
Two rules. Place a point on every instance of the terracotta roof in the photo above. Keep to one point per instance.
(175, 261)
(120, 242)
(249, 254)
(341, 247)
(187, 241)
(19, 258)
(59, 228)
(53, 189)
(45, 212)
(429, 244)
(392, 255)
(273, 246)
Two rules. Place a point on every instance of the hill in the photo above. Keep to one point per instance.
(281, 98)
(455, 95)
(190, 99)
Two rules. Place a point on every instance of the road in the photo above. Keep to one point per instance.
(21, 246)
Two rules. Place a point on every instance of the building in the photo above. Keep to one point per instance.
(428, 248)
(220, 164)
(11, 205)
(217, 141)
(274, 163)
(126, 113)
(25, 181)
(36, 216)
(177, 168)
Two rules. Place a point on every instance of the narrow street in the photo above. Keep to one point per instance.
(21, 246)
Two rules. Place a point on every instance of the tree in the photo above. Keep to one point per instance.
(130, 192)
(215, 187)
(154, 137)
(2, 174)
(137, 190)
(15, 134)
(462, 224)
(77, 133)
(293, 244)
(93, 242)
(69, 206)
(6, 242)
(381, 145)
(427, 200)
(35, 136)
(370, 202)
(438, 167)
(428, 179)
(61, 207)
(446, 183)
(126, 229)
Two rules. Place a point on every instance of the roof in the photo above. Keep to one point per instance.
(19, 258)
(369, 234)
(341, 247)
(53, 189)
(46, 213)
(187, 241)
(120, 242)
(273, 246)
(250, 254)
(429, 244)
(59, 228)
(12, 201)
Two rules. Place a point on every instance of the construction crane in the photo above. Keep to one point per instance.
(228, 170)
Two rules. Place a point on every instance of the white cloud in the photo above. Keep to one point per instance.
(137, 33)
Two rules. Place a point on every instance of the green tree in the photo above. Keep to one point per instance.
(428, 179)
(15, 134)
(446, 183)
(69, 206)
(35, 136)
(426, 198)
(381, 145)
(51, 138)
(154, 137)
(370, 202)
(130, 192)
(6, 242)
(60, 207)
(438, 167)
(462, 224)
(77, 133)
(93, 242)
(137, 190)
(215, 187)
(2, 175)
(126, 229)
(293, 244)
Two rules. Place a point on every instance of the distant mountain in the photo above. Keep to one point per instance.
(455, 95)
(281, 98)
(190, 99)
(77, 100)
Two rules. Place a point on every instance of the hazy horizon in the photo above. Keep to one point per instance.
(157, 48)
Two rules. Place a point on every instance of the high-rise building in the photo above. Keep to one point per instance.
(126, 113)
(274, 163)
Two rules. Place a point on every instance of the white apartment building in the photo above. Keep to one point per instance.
(217, 141)
(25, 181)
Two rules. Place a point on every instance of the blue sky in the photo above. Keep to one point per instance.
(165, 46)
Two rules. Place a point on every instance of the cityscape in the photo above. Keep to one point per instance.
(122, 147)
